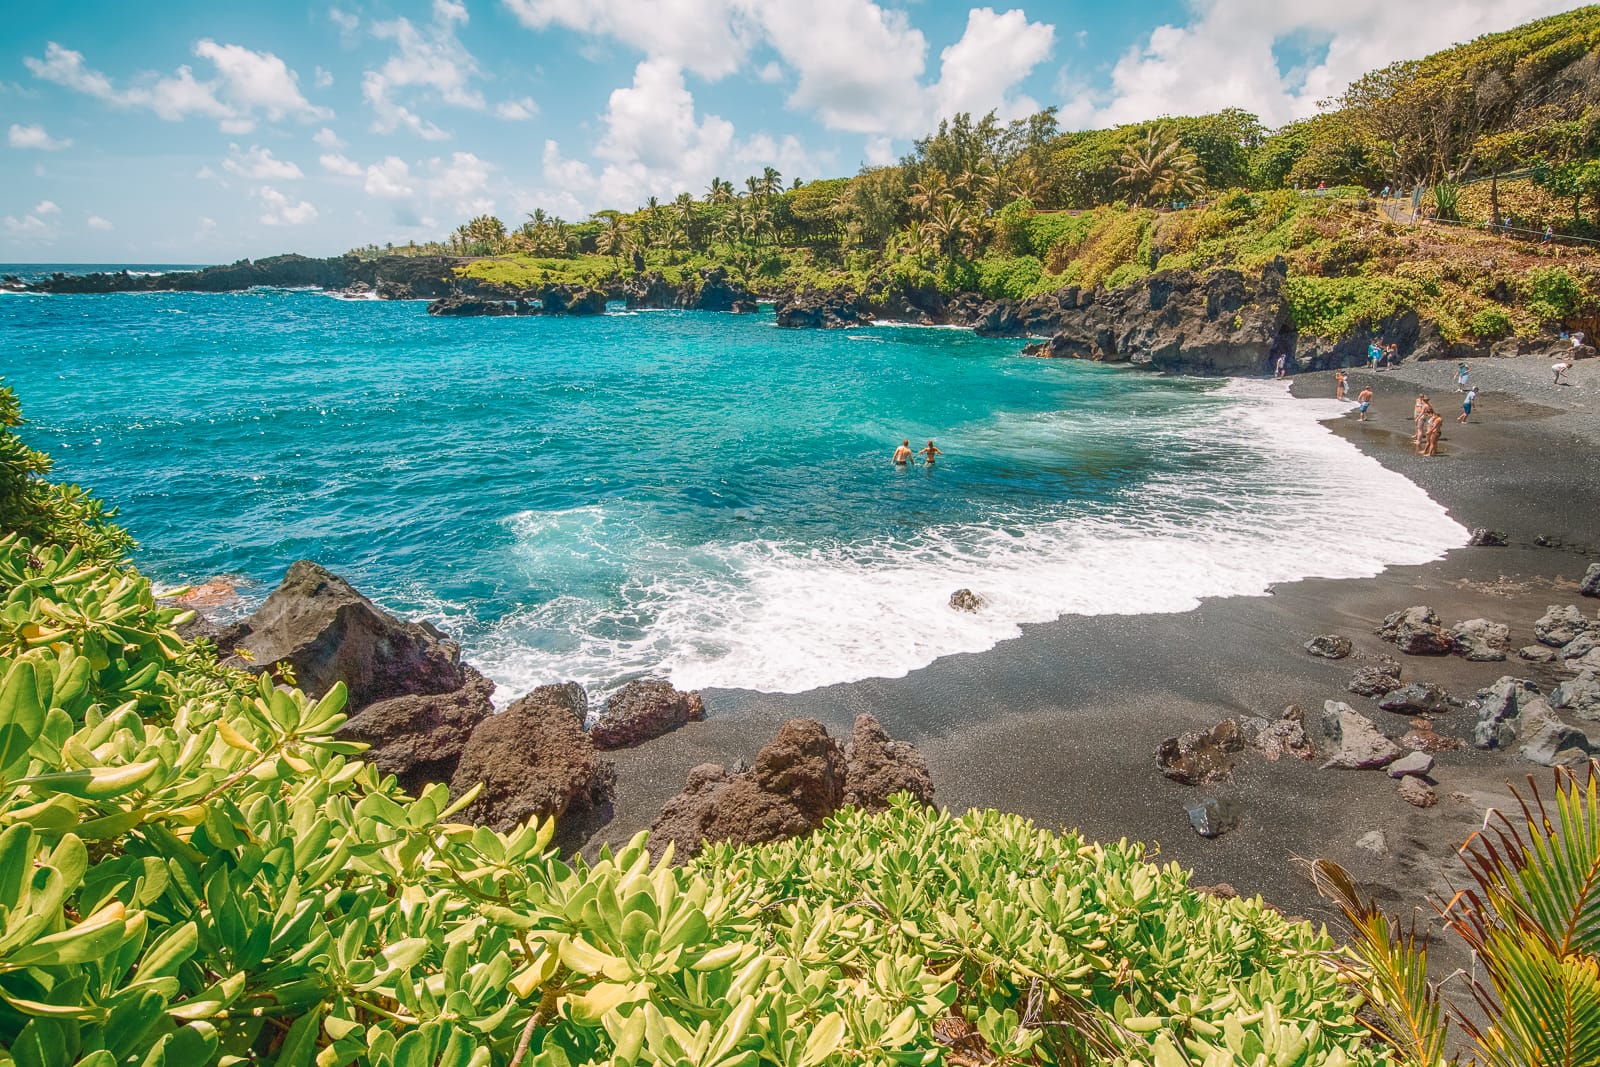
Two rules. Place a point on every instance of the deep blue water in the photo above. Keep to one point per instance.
(700, 495)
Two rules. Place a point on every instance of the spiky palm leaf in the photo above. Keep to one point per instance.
(1394, 972)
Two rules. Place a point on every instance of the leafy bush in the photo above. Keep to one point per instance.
(1332, 307)
(1490, 324)
(194, 871)
(1551, 293)
(1004, 276)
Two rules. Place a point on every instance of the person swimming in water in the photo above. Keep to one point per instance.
(902, 455)
(930, 452)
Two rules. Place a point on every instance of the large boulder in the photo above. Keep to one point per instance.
(1416, 632)
(1418, 698)
(1500, 709)
(642, 710)
(419, 737)
(327, 632)
(1580, 696)
(534, 759)
(877, 767)
(1201, 758)
(1590, 586)
(1375, 679)
(798, 780)
(1559, 625)
(1548, 741)
(572, 300)
(718, 292)
(813, 309)
(1481, 641)
(1357, 743)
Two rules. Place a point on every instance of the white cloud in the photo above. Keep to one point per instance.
(1223, 56)
(280, 210)
(337, 163)
(326, 138)
(996, 52)
(46, 207)
(431, 60)
(205, 229)
(258, 164)
(205, 173)
(516, 110)
(709, 37)
(462, 183)
(390, 179)
(346, 22)
(880, 151)
(28, 228)
(95, 222)
(323, 78)
(249, 85)
(859, 65)
(35, 137)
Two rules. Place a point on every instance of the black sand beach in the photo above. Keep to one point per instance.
(1062, 724)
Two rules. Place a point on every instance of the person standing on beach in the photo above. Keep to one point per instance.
(902, 455)
(1430, 445)
(1466, 405)
(1374, 353)
(1364, 398)
(1461, 377)
(1340, 380)
(1424, 414)
(1282, 366)
(1560, 369)
(930, 452)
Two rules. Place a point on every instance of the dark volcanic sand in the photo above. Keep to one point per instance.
(1062, 723)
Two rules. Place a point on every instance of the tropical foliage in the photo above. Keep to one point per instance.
(194, 870)
(1530, 916)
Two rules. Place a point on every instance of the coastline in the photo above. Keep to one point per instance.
(1061, 724)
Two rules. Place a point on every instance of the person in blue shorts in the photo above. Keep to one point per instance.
(1364, 398)
(1466, 405)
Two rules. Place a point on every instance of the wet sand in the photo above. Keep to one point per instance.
(1062, 723)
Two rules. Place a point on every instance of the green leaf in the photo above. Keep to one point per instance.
(21, 714)
(824, 1040)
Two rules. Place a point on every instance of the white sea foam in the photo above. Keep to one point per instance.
(784, 618)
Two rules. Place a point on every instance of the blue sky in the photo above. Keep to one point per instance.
(203, 132)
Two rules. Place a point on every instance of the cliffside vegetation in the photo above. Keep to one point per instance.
(1015, 209)
(194, 871)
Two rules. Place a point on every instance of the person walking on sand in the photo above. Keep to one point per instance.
(1340, 380)
(1424, 413)
(1364, 398)
(1461, 377)
(1560, 369)
(930, 452)
(902, 455)
(1466, 405)
(1282, 366)
(1374, 353)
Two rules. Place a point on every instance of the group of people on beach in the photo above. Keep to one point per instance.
(1381, 355)
(1428, 423)
(903, 454)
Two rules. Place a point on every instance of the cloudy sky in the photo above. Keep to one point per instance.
(197, 132)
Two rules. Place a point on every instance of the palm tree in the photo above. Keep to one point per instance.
(614, 238)
(950, 226)
(771, 181)
(929, 194)
(719, 192)
(1158, 165)
(752, 186)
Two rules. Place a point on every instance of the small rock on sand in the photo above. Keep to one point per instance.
(1199, 758)
(1590, 586)
(1538, 653)
(1375, 680)
(1358, 744)
(1481, 641)
(1417, 763)
(1374, 841)
(1416, 632)
(1418, 698)
(1213, 816)
(1329, 646)
(1483, 537)
(966, 600)
(1416, 792)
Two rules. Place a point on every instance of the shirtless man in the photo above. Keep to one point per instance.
(902, 455)
(1364, 398)
(930, 452)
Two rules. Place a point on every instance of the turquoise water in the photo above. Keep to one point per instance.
(697, 495)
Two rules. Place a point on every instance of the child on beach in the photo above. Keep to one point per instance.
(1340, 380)
(1466, 405)
(1560, 369)
(1364, 398)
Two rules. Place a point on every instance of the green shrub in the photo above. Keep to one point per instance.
(1551, 294)
(1003, 276)
(1490, 324)
(1332, 307)
(195, 871)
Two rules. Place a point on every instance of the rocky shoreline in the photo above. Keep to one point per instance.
(1224, 321)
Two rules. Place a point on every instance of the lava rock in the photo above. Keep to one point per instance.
(1581, 645)
(1482, 537)
(1480, 640)
(1418, 698)
(1375, 680)
(1329, 646)
(460, 305)
(1213, 816)
(1416, 632)
(572, 300)
(1538, 653)
(1548, 741)
(1499, 707)
(1422, 740)
(1559, 625)
(1284, 736)
(877, 767)
(1199, 758)
(1358, 744)
(419, 737)
(966, 600)
(1417, 793)
(1590, 586)
(642, 710)
(718, 292)
(1417, 763)
(1373, 841)
(534, 760)
(1580, 696)
(812, 309)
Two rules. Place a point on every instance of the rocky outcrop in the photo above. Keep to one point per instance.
(797, 781)
(1559, 625)
(718, 292)
(877, 767)
(642, 710)
(461, 306)
(1417, 632)
(572, 300)
(1375, 679)
(650, 290)
(1418, 698)
(1357, 743)
(1500, 709)
(410, 696)
(1590, 586)
(814, 309)
(1222, 322)
(534, 759)
(419, 276)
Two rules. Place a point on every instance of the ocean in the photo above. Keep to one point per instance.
(696, 496)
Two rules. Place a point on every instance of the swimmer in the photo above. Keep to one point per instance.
(930, 452)
(902, 455)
